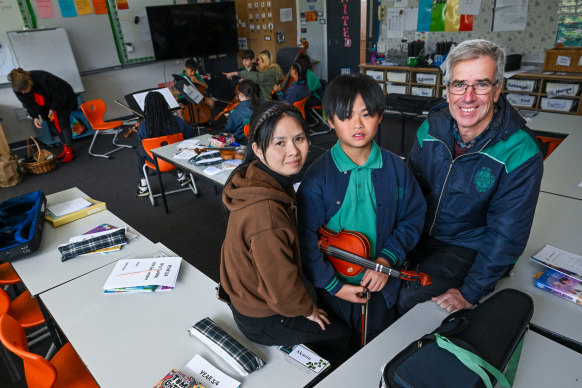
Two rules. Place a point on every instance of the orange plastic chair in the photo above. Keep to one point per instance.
(157, 142)
(8, 276)
(301, 105)
(94, 110)
(552, 142)
(25, 309)
(65, 369)
(247, 130)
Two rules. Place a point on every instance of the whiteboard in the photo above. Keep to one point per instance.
(48, 50)
(10, 19)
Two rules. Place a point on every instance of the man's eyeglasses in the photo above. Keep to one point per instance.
(478, 88)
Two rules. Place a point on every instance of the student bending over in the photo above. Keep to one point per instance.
(248, 96)
(260, 265)
(359, 187)
(159, 121)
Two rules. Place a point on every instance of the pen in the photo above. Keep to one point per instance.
(136, 273)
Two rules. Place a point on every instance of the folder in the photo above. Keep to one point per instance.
(96, 206)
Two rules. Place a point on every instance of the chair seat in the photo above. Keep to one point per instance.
(26, 311)
(105, 125)
(164, 167)
(7, 275)
(71, 372)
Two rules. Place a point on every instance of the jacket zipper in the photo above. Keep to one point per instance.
(447, 177)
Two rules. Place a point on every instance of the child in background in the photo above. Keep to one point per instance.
(298, 88)
(360, 187)
(159, 121)
(248, 96)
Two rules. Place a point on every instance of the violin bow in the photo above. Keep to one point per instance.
(411, 276)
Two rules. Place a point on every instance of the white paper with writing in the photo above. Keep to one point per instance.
(144, 272)
(561, 260)
(64, 208)
(207, 374)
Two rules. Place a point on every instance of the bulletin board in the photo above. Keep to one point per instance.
(10, 20)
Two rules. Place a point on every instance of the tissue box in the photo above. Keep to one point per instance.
(522, 85)
(377, 75)
(222, 140)
(427, 79)
(558, 104)
(398, 89)
(420, 91)
(562, 89)
(521, 99)
(396, 76)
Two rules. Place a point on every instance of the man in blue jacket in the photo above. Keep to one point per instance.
(480, 171)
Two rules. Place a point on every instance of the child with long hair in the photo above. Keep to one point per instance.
(248, 96)
(159, 121)
(298, 88)
(260, 267)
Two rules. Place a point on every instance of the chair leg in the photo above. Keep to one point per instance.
(91, 147)
(323, 121)
(192, 185)
(118, 147)
(117, 132)
(150, 193)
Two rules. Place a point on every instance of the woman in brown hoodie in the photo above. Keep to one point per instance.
(272, 303)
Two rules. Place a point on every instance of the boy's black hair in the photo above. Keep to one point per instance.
(342, 92)
(191, 64)
(248, 54)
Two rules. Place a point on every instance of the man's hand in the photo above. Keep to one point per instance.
(37, 122)
(452, 300)
(320, 317)
(374, 280)
(51, 114)
(352, 293)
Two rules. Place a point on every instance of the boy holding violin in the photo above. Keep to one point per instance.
(357, 186)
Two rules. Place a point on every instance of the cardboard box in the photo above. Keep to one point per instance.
(397, 76)
(398, 89)
(558, 104)
(58, 221)
(524, 100)
(421, 91)
(522, 85)
(377, 75)
(426, 78)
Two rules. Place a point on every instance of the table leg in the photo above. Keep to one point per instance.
(161, 183)
(57, 337)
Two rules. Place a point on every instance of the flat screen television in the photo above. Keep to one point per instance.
(188, 30)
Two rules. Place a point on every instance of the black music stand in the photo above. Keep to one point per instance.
(191, 93)
(133, 103)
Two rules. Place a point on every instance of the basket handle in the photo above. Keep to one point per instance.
(41, 157)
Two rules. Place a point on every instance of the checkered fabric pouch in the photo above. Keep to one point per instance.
(230, 350)
(206, 158)
(71, 250)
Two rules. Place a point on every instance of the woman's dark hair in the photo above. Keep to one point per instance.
(191, 64)
(263, 122)
(300, 69)
(250, 90)
(158, 117)
(248, 54)
(341, 93)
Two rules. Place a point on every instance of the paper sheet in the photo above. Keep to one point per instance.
(207, 374)
(410, 19)
(168, 96)
(510, 18)
(64, 208)
(211, 170)
(395, 23)
(469, 7)
(563, 261)
(185, 154)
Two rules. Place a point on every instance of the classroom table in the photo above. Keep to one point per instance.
(133, 340)
(558, 222)
(167, 153)
(44, 269)
(562, 172)
(543, 362)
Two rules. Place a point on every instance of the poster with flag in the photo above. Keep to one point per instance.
(442, 15)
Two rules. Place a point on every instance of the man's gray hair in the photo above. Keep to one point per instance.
(472, 49)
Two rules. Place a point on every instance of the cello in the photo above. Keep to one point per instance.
(285, 82)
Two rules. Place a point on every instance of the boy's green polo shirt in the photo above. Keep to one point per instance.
(358, 210)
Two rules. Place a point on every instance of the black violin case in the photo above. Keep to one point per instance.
(21, 223)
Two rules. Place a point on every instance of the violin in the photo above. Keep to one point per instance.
(133, 128)
(349, 253)
(231, 105)
(285, 83)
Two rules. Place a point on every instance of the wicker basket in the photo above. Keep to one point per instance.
(41, 161)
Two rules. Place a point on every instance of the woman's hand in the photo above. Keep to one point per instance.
(319, 316)
(37, 122)
(231, 74)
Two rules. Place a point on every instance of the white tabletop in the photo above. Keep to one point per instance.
(556, 123)
(133, 340)
(168, 152)
(558, 222)
(563, 168)
(44, 269)
(364, 369)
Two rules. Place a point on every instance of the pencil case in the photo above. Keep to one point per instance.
(230, 350)
(68, 251)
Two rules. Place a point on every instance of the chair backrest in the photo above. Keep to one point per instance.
(247, 130)
(156, 142)
(4, 302)
(39, 372)
(94, 110)
(301, 105)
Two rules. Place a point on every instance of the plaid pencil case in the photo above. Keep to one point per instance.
(207, 158)
(68, 251)
(230, 350)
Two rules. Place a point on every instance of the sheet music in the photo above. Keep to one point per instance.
(140, 98)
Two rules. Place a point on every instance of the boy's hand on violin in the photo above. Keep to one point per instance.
(319, 316)
(352, 293)
(374, 280)
(277, 88)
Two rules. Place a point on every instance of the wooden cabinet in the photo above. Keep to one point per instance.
(546, 92)
(418, 81)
